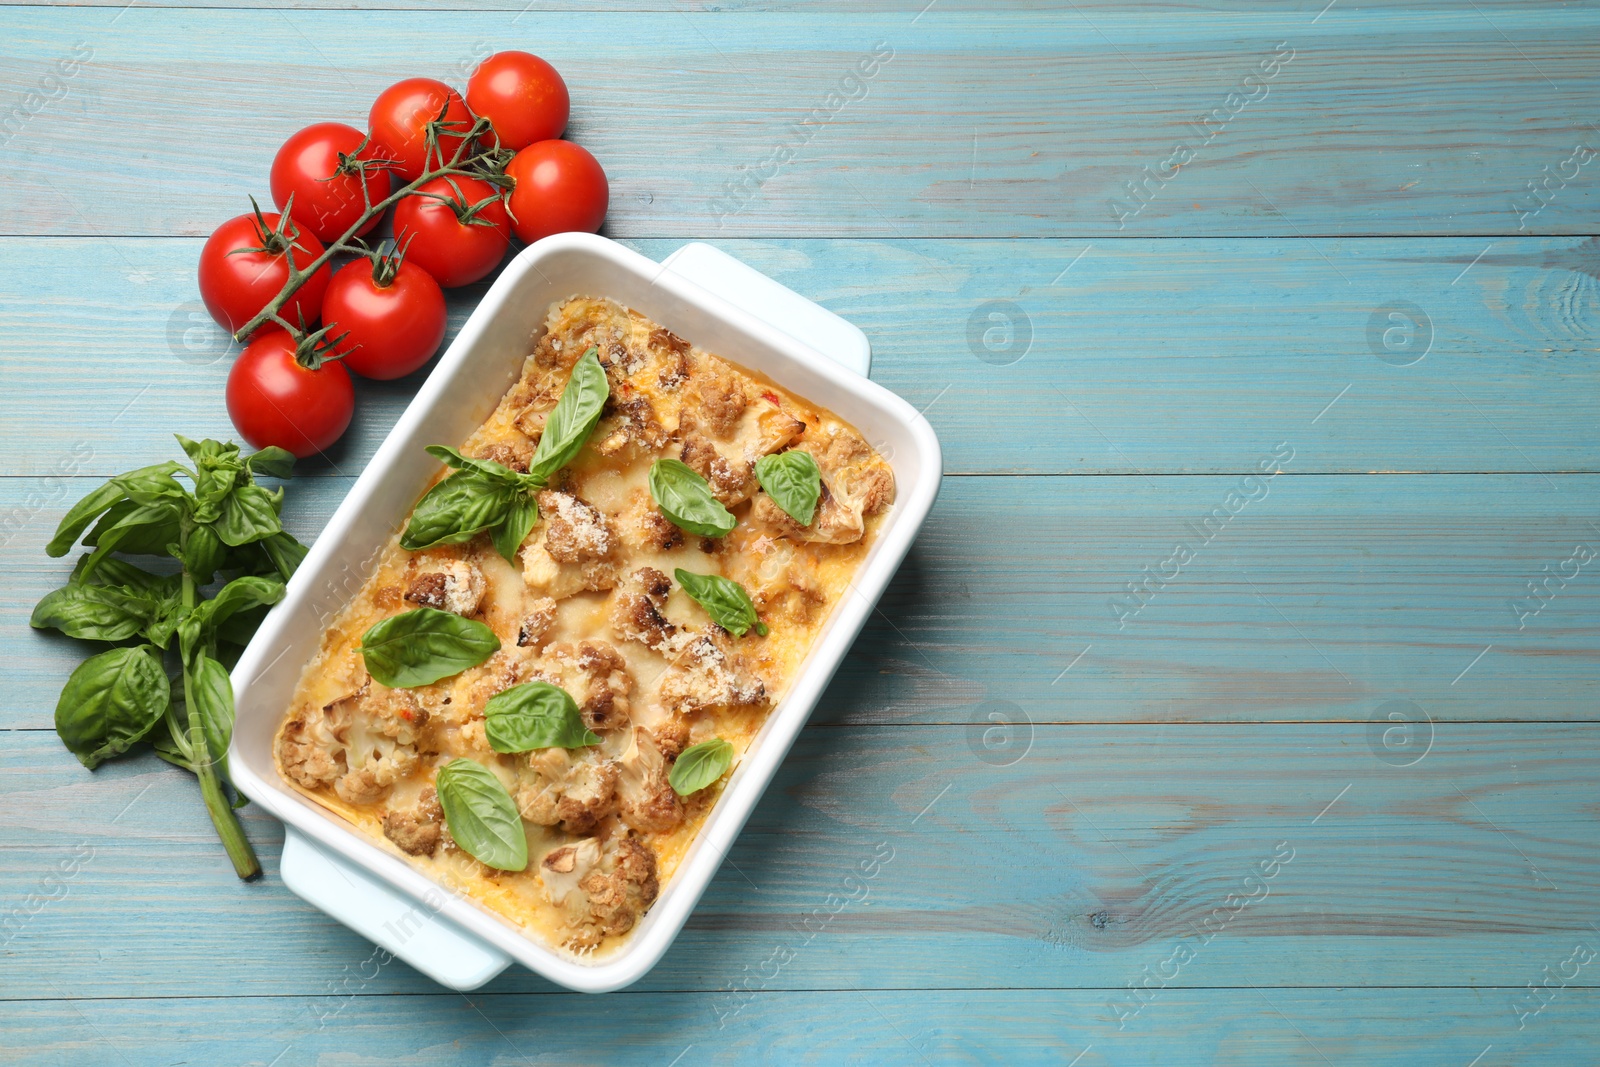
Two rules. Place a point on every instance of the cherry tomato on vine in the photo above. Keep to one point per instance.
(390, 312)
(559, 187)
(285, 393)
(245, 263)
(321, 167)
(399, 124)
(522, 96)
(456, 229)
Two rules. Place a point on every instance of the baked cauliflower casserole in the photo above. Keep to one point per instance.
(536, 697)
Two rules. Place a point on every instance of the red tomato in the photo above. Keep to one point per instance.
(522, 96)
(245, 263)
(456, 229)
(392, 313)
(399, 124)
(314, 166)
(275, 399)
(560, 187)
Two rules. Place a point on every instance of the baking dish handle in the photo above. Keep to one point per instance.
(404, 927)
(780, 307)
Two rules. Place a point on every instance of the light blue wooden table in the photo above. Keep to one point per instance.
(1122, 255)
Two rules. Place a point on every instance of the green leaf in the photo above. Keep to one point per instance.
(249, 513)
(510, 534)
(724, 599)
(111, 702)
(422, 646)
(700, 765)
(241, 594)
(203, 554)
(93, 612)
(793, 481)
(685, 498)
(271, 462)
(457, 510)
(284, 552)
(481, 816)
(118, 572)
(210, 692)
(490, 469)
(535, 715)
(81, 514)
(573, 419)
(137, 531)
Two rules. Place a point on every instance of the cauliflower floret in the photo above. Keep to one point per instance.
(648, 802)
(716, 396)
(416, 829)
(603, 688)
(636, 609)
(575, 531)
(855, 483)
(731, 481)
(452, 585)
(632, 420)
(541, 615)
(570, 788)
(602, 888)
(707, 674)
(362, 744)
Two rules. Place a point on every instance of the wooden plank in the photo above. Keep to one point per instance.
(1239, 1028)
(1099, 852)
(1150, 356)
(1325, 599)
(1023, 123)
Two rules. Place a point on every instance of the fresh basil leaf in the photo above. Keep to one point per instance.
(111, 702)
(165, 620)
(92, 612)
(700, 765)
(152, 485)
(457, 510)
(241, 594)
(685, 498)
(207, 450)
(241, 626)
(516, 526)
(422, 646)
(272, 462)
(249, 513)
(203, 554)
(535, 715)
(574, 417)
(81, 514)
(210, 692)
(452, 458)
(724, 599)
(283, 552)
(481, 816)
(118, 572)
(145, 529)
(793, 481)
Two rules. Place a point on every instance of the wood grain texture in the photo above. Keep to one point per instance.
(1324, 599)
(1147, 356)
(1095, 854)
(1218, 1028)
(1025, 123)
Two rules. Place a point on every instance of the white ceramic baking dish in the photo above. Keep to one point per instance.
(719, 304)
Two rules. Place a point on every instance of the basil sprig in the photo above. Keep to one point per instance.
(223, 522)
(685, 498)
(481, 816)
(421, 646)
(793, 481)
(700, 765)
(485, 495)
(574, 417)
(535, 715)
(724, 599)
